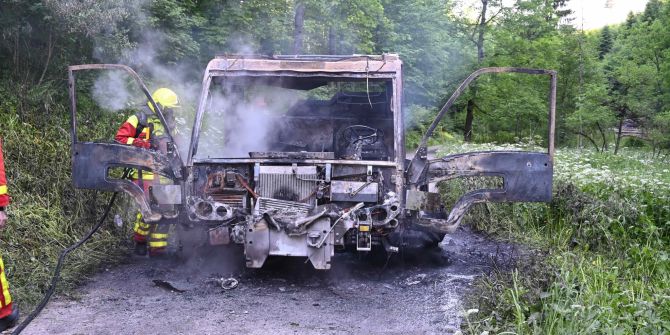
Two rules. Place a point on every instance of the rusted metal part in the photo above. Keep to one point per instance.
(412, 168)
(219, 235)
(246, 186)
(314, 63)
(354, 191)
(527, 177)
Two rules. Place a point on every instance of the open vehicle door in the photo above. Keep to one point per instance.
(92, 162)
(527, 176)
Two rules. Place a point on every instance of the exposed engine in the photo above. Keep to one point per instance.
(297, 210)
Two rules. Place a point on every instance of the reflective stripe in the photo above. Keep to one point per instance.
(141, 228)
(130, 140)
(140, 231)
(145, 175)
(157, 244)
(145, 133)
(3, 189)
(159, 236)
(133, 120)
(6, 298)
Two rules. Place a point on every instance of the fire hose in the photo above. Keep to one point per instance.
(59, 264)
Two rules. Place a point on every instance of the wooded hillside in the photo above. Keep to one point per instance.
(612, 78)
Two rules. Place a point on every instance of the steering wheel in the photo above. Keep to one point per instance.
(360, 133)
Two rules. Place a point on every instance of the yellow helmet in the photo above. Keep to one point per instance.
(165, 97)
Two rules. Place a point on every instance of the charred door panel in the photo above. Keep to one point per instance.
(527, 177)
(91, 162)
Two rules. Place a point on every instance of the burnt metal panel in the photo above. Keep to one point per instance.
(257, 243)
(354, 191)
(292, 155)
(91, 162)
(341, 64)
(527, 177)
(261, 241)
(425, 201)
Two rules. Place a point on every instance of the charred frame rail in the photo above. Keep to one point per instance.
(527, 176)
(91, 161)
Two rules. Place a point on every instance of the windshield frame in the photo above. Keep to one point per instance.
(395, 103)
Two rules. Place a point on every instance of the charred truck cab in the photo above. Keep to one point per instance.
(303, 156)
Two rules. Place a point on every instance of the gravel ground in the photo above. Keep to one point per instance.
(418, 293)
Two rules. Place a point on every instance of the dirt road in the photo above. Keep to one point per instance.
(410, 295)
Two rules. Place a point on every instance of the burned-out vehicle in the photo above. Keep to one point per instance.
(303, 156)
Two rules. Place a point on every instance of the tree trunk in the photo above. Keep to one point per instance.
(469, 116)
(481, 29)
(618, 136)
(595, 145)
(331, 41)
(604, 136)
(50, 48)
(299, 25)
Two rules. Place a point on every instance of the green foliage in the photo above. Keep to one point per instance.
(46, 213)
(599, 263)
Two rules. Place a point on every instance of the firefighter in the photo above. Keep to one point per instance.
(9, 313)
(145, 130)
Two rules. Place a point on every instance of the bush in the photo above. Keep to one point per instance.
(46, 213)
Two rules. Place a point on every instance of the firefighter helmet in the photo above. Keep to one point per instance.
(165, 97)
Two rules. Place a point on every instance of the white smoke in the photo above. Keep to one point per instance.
(235, 124)
(110, 90)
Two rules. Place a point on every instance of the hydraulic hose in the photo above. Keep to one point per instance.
(59, 265)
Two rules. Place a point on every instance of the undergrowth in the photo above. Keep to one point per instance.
(46, 213)
(605, 241)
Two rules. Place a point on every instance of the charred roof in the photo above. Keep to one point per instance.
(367, 65)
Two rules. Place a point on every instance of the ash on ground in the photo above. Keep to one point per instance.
(410, 293)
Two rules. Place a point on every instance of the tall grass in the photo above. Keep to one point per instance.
(601, 263)
(46, 213)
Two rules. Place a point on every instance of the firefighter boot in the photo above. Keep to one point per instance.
(10, 320)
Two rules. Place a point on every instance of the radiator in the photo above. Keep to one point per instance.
(290, 183)
(282, 206)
